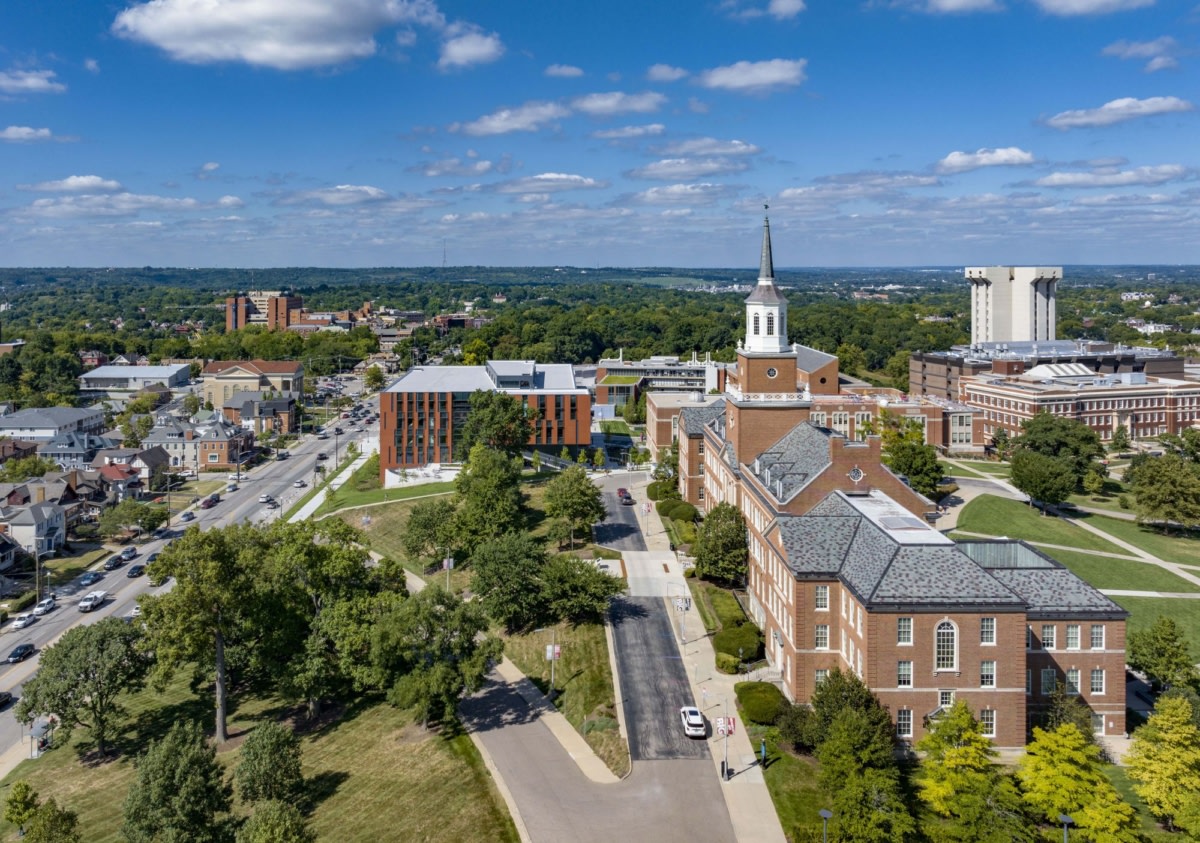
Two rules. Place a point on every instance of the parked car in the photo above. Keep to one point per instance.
(23, 620)
(136, 571)
(627, 500)
(622, 492)
(265, 498)
(300, 484)
(322, 435)
(693, 722)
(321, 455)
(207, 503)
(187, 516)
(20, 653)
(90, 578)
(5, 698)
(129, 553)
(92, 600)
(113, 562)
(232, 487)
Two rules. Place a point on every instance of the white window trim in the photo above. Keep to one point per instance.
(1103, 683)
(909, 642)
(983, 643)
(954, 667)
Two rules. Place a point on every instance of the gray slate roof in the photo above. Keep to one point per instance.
(691, 419)
(791, 463)
(809, 359)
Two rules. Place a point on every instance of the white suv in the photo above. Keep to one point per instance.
(45, 605)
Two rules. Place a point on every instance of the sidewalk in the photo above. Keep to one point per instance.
(314, 503)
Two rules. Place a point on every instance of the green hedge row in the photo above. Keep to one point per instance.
(761, 701)
(678, 509)
(745, 636)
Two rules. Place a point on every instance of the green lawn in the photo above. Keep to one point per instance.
(1172, 548)
(63, 569)
(995, 516)
(1143, 611)
(1149, 826)
(792, 782)
(372, 774)
(615, 426)
(1106, 572)
(964, 468)
(583, 680)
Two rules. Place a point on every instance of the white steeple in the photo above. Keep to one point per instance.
(766, 308)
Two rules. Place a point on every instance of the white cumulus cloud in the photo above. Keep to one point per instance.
(342, 194)
(626, 132)
(76, 184)
(784, 9)
(961, 162)
(672, 169)
(564, 71)
(711, 146)
(951, 7)
(1159, 54)
(283, 35)
(524, 118)
(548, 183)
(700, 193)
(109, 205)
(618, 102)
(1068, 8)
(1118, 111)
(30, 82)
(452, 167)
(470, 48)
(665, 73)
(24, 134)
(755, 77)
(1140, 176)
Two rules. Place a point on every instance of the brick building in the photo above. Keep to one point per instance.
(275, 309)
(421, 414)
(224, 379)
(845, 570)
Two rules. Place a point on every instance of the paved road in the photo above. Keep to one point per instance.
(659, 801)
(620, 529)
(654, 680)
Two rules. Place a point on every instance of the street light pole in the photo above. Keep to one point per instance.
(1066, 822)
(725, 763)
(825, 815)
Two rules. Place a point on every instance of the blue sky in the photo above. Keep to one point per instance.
(380, 132)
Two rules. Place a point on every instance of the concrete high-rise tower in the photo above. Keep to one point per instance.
(1013, 303)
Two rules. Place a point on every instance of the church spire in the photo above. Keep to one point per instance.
(766, 267)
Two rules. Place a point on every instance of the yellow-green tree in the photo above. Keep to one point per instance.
(1061, 774)
(1164, 760)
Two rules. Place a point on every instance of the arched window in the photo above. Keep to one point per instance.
(756, 324)
(770, 324)
(946, 647)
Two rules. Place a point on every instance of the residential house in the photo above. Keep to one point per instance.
(39, 528)
(75, 450)
(16, 449)
(41, 424)
(263, 412)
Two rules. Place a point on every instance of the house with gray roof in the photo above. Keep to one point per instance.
(41, 424)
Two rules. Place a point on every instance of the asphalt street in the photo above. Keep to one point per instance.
(276, 478)
(620, 529)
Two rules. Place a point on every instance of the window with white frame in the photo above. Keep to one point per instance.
(845, 603)
(1097, 636)
(904, 723)
(904, 674)
(858, 625)
(1097, 684)
(1047, 636)
(945, 699)
(987, 722)
(904, 630)
(821, 597)
(987, 674)
(1073, 681)
(987, 630)
(946, 646)
(821, 639)
(820, 675)
(1049, 680)
(1072, 636)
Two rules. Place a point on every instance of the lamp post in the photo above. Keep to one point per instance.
(825, 815)
(37, 570)
(725, 717)
(1066, 822)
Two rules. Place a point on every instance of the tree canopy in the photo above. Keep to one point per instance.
(498, 420)
(573, 497)
(721, 549)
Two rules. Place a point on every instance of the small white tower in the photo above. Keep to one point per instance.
(766, 308)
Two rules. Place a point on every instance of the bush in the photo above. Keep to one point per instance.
(689, 572)
(23, 602)
(944, 490)
(796, 725)
(761, 701)
(661, 490)
(1123, 501)
(746, 636)
(727, 663)
(666, 507)
(684, 511)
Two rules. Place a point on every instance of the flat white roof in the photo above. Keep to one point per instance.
(138, 372)
(900, 525)
(547, 377)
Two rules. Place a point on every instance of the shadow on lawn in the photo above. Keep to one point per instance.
(151, 725)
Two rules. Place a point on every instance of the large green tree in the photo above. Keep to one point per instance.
(859, 769)
(434, 648)
(1061, 438)
(1164, 760)
(1061, 773)
(214, 604)
(916, 461)
(1163, 653)
(958, 780)
(573, 497)
(83, 677)
(178, 792)
(429, 529)
(276, 822)
(269, 766)
(489, 497)
(1166, 491)
(721, 550)
(52, 824)
(1043, 478)
(575, 590)
(498, 420)
(508, 580)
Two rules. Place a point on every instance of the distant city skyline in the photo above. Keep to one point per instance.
(351, 133)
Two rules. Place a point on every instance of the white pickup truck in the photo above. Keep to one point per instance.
(92, 600)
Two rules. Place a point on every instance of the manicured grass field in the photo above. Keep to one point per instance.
(1144, 611)
(1106, 572)
(372, 775)
(1171, 548)
(995, 516)
(63, 569)
(615, 426)
(973, 468)
(792, 782)
(583, 679)
(1150, 827)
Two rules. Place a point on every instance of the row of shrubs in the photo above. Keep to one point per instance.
(764, 704)
(661, 490)
(680, 510)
